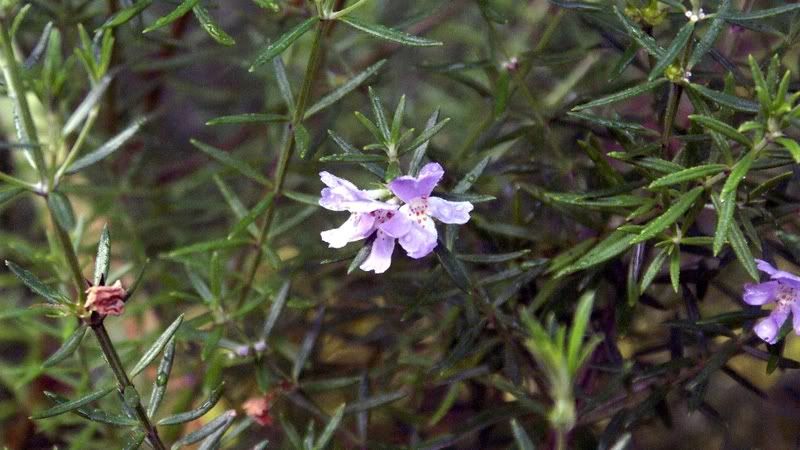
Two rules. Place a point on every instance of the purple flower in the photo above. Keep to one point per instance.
(368, 215)
(413, 226)
(784, 290)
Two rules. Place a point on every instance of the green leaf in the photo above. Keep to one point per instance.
(374, 402)
(89, 102)
(210, 26)
(727, 199)
(36, 285)
(613, 245)
(68, 406)
(330, 428)
(622, 95)
(251, 216)
(653, 269)
(156, 348)
(177, 13)
(493, 257)
(62, 211)
(707, 41)
(125, 15)
(380, 116)
(301, 139)
(675, 268)
(207, 246)
(231, 161)
(634, 32)
(162, 378)
(521, 437)
(338, 93)
(431, 129)
(103, 260)
(677, 46)
(792, 146)
(760, 14)
(282, 43)
(359, 259)
(722, 128)
(350, 157)
(742, 250)
(6, 195)
(613, 124)
(420, 149)
(472, 176)
(248, 118)
(397, 119)
(134, 440)
(689, 174)
(95, 415)
(221, 422)
(580, 323)
(68, 348)
(308, 343)
(275, 310)
(730, 101)
(109, 147)
(670, 216)
(348, 148)
(453, 267)
(388, 34)
(196, 413)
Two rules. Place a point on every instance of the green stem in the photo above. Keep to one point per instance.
(287, 148)
(16, 91)
(70, 255)
(124, 383)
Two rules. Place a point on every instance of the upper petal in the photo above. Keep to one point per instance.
(380, 256)
(796, 317)
(408, 188)
(761, 293)
(449, 212)
(420, 239)
(775, 273)
(342, 195)
(356, 227)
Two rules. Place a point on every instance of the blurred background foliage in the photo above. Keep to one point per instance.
(477, 347)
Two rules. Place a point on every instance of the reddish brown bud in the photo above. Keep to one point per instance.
(258, 409)
(106, 300)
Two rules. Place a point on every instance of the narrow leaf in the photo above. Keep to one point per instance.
(196, 413)
(62, 211)
(177, 13)
(202, 247)
(389, 34)
(248, 118)
(730, 101)
(622, 95)
(275, 310)
(156, 348)
(89, 102)
(677, 46)
(230, 161)
(669, 217)
(36, 285)
(690, 174)
(722, 128)
(338, 93)
(330, 428)
(68, 406)
(162, 377)
(211, 27)
(282, 43)
(68, 348)
(109, 147)
(308, 343)
(103, 260)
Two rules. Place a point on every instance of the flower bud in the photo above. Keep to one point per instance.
(106, 300)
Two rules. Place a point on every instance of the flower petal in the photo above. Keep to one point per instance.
(380, 257)
(356, 227)
(420, 239)
(399, 223)
(449, 212)
(774, 273)
(796, 318)
(408, 188)
(342, 195)
(767, 330)
(761, 293)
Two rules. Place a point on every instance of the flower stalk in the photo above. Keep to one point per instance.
(287, 149)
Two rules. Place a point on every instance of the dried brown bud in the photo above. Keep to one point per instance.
(106, 300)
(258, 409)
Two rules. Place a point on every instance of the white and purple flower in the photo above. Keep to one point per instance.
(784, 290)
(367, 215)
(412, 224)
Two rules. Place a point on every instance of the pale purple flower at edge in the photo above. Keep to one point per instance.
(413, 225)
(368, 215)
(784, 290)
